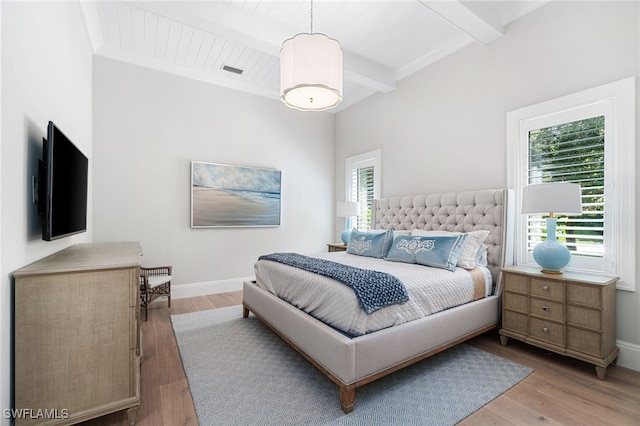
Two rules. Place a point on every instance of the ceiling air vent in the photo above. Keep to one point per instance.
(232, 69)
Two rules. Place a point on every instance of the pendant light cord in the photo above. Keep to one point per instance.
(311, 14)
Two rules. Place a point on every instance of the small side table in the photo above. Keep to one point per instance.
(572, 313)
(336, 247)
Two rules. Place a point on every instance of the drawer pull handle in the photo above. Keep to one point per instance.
(545, 288)
(545, 308)
(545, 329)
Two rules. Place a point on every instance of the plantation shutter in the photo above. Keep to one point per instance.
(362, 187)
(571, 152)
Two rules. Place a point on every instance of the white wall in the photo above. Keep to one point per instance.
(442, 121)
(149, 126)
(46, 75)
(444, 128)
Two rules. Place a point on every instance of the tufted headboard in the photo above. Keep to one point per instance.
(490, 209)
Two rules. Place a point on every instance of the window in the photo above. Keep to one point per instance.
(586, 138)
(571, 152)
(362, 176)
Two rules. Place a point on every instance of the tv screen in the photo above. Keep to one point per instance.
(63, 181)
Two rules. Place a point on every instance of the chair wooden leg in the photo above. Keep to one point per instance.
(145, 303)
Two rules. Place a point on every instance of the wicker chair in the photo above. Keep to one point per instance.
(154, 282)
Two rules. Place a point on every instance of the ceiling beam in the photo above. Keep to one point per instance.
(264, 37)
(476, 18)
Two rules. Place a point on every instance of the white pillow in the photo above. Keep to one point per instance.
(472, 245)
(481, 257)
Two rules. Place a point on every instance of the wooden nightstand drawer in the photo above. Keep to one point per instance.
(547, 309)
(547, 288)
(517, 283)
(585, 341)
(570, 313)
(515, 321)
(516, 301)
(587, 318)
(584, 295)
(548, 331)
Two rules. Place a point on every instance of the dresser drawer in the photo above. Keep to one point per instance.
(548, 331)
(547, 288)
(516, 301)
(584, 295)
(588, 318)
(517, 283)
(588, 342)
(547, 309)
(516, 322)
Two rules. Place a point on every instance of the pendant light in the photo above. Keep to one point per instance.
(311, 71)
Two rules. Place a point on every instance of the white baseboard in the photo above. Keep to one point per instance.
(180, 291)
(629, 355)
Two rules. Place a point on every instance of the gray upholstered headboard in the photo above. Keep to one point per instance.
(489, 209)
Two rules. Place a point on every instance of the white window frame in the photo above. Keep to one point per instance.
(367, 159)
(616, 101)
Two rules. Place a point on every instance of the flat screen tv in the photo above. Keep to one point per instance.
(62, 186)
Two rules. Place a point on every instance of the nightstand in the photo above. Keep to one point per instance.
(573, 314)
(336, 247)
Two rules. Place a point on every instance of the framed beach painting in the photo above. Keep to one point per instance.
(223, 195)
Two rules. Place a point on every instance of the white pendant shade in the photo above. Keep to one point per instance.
(311, 72)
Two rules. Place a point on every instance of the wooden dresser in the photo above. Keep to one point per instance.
(571, 313)
(77, 335)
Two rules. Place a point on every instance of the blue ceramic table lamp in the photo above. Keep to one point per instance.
(347, 209)
(552, 198)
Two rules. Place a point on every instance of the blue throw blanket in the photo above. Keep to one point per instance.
(374, 290)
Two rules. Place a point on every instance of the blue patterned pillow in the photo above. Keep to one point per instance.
(371, 244)
(438, 252)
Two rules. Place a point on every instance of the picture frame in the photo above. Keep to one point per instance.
(224, 195)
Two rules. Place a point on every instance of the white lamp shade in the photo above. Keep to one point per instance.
(546, 198)
(311, 72)
(347, 208)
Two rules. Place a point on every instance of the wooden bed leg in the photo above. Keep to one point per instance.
(347, 397)
(245, 312)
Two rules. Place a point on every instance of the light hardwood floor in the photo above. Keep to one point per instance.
(560, 391)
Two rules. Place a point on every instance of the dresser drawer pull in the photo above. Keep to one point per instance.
(545, 308)
(545, 329)
(545, 288)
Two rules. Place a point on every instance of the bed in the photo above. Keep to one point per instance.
(352, 361)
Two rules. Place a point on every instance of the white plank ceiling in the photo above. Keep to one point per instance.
(383, 41)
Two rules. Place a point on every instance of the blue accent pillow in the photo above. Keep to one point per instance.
(371, 244)
(438, 252)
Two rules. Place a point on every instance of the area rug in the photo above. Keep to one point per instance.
(241, 373)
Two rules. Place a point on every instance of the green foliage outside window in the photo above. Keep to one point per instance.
(572, 152)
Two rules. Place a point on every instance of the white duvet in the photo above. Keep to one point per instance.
(430, 290)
